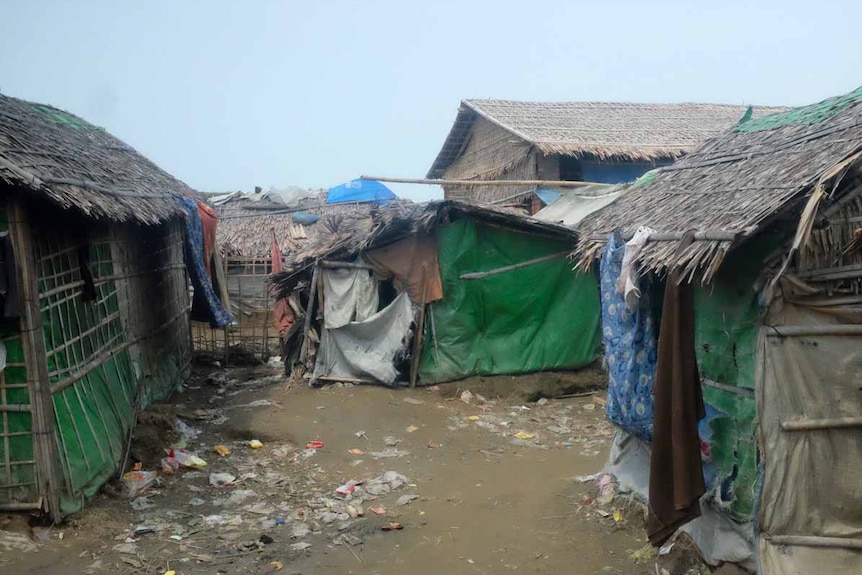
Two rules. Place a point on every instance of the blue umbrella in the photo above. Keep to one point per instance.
(360, 191)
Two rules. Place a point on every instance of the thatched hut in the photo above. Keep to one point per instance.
(249, 223)
(95, 302)
(775, 205)
(436, 292)
(576, 141)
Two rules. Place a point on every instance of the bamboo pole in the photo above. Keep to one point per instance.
(707, 235)
(815, 541)
(420, 332)
(34, 506)
(821, 424)
(345, 265)
(813, 330)
(432, 182)
(343, 379)
(479, 275)
(14, 408)
(312, 292)
(33, 343)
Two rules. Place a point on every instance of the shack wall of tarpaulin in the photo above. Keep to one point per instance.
(131, 341)
(539, 317)
(17, 465)
(367, 349)
(718, 537)
(120, 346)
(811, 480)
(728, 316)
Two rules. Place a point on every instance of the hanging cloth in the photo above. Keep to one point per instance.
(349, 295)
(206, 305)
(282, 314)
(628, 282)
(209, 222)
(629, 337)
(414, 265)
(676, 481)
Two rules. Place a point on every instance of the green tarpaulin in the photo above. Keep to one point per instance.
(542, 316)
(727, 320)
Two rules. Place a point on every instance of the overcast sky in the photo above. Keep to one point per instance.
(227, 95)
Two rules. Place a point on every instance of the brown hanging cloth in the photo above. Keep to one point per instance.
(676, 474)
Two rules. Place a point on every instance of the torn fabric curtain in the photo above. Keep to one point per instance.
(209, 222)
(206, 305)
(348, 295)
(367, 349)
(630, 348)
(282, 314)
(676, 469)
(628, 283)
(414, 265)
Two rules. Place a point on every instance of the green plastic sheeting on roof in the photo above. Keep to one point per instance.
(645, 179)
(805, 116)
(539, 317)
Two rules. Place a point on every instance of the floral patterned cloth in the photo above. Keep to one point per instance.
(630, 348)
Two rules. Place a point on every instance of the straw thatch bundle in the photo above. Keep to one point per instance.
(245, 228)
(81, 166)
(730, 187)
(607, 131)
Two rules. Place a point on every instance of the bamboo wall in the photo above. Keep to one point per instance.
(91, 362)
(832, 258)
(492, 153)
(253, 332)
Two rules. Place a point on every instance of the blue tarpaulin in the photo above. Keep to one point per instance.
(304, 218)
(360, 191)
(547, 195)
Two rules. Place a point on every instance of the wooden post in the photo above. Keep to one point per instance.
(226, 330)
(48, 479)
(267, 317)
(312, 293)
(417, 343)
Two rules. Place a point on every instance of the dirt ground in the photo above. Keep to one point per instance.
(490, 485)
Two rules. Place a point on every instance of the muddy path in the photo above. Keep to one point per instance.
(492, 480)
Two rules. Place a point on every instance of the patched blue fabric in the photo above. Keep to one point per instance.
(204, 295)
(360, 191)
(630, 349)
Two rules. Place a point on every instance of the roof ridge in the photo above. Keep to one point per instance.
(618, 103)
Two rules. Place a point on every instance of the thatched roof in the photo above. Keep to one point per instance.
(342, 236)
(730, 187)
(79, 165)
(614, 131)
(245, 227)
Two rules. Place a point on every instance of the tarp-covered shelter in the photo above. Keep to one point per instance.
(602, 142)
(488, 292)
(775, 266)
(95, 298)
(248, 225)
